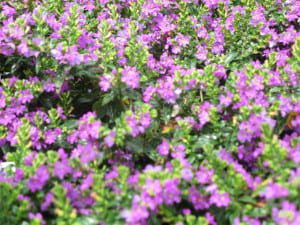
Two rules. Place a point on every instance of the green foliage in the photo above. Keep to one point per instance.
(12, 210)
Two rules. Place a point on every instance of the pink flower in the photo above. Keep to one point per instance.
(131, 77)
(163, 148)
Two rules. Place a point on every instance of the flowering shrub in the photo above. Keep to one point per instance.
(150, 112)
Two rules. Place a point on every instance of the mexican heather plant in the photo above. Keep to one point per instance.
(151, 112)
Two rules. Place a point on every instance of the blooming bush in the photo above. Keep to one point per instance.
(150, 112)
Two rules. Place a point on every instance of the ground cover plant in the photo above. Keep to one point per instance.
(158, 112)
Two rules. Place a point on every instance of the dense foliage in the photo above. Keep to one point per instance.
(150, 112)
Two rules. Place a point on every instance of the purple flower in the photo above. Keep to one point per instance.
(49, 87)
(171, 192)
(65, 86)
(163, 148)
(36, 216)
(39, 180)
(187, 174)
(204, 175)
(186, 211)
(212, 4)
(282, 57)
(103, 2)
(110, 139)
(165, 24)
(182, 40)
(226, 156)
(286, 105)
(87, 182)
(51, 135)
(25, 97)
(199, 201)
(220, 199)
(29, 158)
(112, 174)
(2, 100)
(86, 153)
(88, 128)
(145, 120)
(218, 47)
(274, 190)
(287, 215)
(210, 218)
(166, 89)
(203, 114)
(229, 23)
(72, 56)
(151, 195)
(202, 32)
(201, 53)
(138, 125)
(220, 72)
(24, 49)
(105, 83)
(251, 221)
(8, 10)
(85, 40)
(131, 77)
(47, 201)
(258, 16)
(133, 179)
(35, 134)
(226, 100)
(251, 129)
(147, 94)
(137, 214)
(295, 177)
(19, 175)
(296, 122)
(179, 152)
(294, 11)
(62, 168)
(133, 124)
